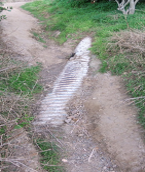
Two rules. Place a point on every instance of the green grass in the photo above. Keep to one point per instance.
(88, 18)
(18, 88)
(136, 88)
(20, 85)
(101, 20)
(38, 37)
(2, 130)
(50, 155)
(22, 82)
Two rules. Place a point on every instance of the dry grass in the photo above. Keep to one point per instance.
(129, 41)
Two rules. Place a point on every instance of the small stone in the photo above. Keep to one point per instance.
(74, 119)
(80, 135)
(67, 120)
(111, 169)
(74, 111)
(67, 108)
(64, 160)
(104, 168)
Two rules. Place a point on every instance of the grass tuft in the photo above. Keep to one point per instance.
(50, 156)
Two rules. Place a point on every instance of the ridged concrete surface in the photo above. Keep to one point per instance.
(52, 107)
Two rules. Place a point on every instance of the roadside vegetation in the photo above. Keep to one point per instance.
(118, 40)
(19, 89)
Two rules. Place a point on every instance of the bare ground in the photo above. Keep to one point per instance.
(102, 133)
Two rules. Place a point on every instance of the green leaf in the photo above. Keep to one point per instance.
(17, 127)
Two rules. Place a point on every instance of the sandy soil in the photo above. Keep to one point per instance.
(102, 134)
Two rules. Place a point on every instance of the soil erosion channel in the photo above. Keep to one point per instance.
(100, 132)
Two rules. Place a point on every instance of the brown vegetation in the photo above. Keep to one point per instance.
(129, 41)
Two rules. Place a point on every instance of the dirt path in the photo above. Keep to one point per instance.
(17, 31)
(101, 131)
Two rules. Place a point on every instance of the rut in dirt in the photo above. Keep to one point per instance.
(52, 107)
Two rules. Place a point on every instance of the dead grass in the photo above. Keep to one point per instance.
(129, 41)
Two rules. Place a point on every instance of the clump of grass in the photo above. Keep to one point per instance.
(129, 41)
(26, 81)
(50, 156)
(22, 80)
(38, 37)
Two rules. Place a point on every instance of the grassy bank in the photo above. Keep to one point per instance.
(118, 39)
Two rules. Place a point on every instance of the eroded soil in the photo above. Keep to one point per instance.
(101, 132)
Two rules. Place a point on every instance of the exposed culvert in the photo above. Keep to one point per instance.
(52, 107)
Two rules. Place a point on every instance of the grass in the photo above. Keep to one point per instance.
(22, 82)
(19, 85)
(50, 156)
(38, 37)
(89, 18)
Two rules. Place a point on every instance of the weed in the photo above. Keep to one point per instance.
(23, 121)
(103, 68)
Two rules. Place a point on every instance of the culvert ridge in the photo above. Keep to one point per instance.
(52, 107)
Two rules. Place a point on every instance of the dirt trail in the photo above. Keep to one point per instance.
(101, 132)
(16, 30)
